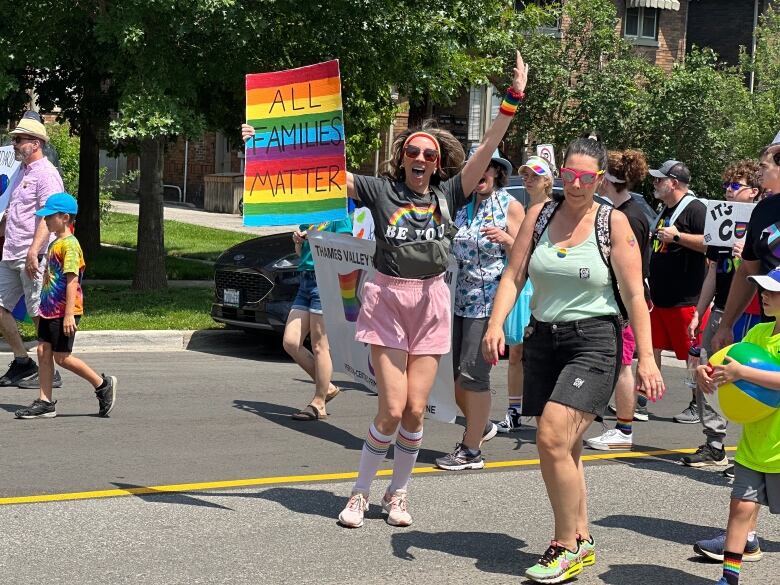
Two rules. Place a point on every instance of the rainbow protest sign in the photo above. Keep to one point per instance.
(295, 165)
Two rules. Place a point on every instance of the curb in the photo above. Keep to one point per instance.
(187, 340)
(143, 340)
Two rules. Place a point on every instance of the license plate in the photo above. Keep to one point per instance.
(232, 297)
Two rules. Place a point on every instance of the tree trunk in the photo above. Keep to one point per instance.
(88, 224)
(150, 260)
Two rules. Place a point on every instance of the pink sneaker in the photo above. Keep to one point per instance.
(397, 508)
(352, 515)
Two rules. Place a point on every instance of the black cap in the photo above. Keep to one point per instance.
(673, 169)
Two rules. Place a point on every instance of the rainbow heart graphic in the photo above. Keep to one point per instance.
(740, 228)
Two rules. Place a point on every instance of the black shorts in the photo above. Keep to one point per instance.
(573, 363)
(51, 331)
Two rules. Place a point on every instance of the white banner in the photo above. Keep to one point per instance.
(726, 222)
(9, 166)
(342, 265)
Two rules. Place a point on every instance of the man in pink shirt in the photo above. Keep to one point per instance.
(26, 238)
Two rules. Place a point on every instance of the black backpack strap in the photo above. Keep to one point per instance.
(444, 209)
(545, 215)
(604, 239)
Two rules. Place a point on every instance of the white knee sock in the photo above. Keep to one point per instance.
(407, 446)
(371, 457)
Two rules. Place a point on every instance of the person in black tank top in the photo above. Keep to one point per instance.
(625, 170)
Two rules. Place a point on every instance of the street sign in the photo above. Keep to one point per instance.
(547, 152)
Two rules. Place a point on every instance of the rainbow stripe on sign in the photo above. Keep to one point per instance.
(295, 166)
(348, 283)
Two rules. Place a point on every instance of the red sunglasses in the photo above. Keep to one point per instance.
(585, 177)
(429, 154)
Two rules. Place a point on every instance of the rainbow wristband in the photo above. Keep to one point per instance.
(510, 103)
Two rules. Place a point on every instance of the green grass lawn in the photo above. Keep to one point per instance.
(119, 307)
(113, 263)
(181, 239)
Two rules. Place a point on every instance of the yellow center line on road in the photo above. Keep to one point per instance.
(291, 479)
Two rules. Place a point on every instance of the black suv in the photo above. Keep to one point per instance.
(255, 283)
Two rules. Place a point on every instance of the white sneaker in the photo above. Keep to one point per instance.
(611, 440)
(352, 515)
(397, 508)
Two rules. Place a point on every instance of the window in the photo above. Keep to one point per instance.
(641, 23)
(556, 5)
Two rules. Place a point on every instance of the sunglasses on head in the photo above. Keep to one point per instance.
(429, 154)
(585, 177)
(734, 186)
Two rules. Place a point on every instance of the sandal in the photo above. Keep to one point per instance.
(332, 395)
(308, 413)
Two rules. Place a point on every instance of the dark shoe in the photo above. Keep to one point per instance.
(34, 383)
(106, 395)
(712, 548)
(18, 372)
(38, 409)
(511, 422)
(461, 458)
(729, 472)
(689, 416)
(706, 455)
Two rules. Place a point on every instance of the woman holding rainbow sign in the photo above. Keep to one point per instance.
(405, 315)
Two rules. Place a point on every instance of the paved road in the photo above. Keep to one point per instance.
(204, 417)
(223, 221)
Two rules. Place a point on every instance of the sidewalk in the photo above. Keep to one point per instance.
(191, 215)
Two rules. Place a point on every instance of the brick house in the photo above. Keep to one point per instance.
(724, 26)
(656, 29)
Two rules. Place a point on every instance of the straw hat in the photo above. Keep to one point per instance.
(31, 128)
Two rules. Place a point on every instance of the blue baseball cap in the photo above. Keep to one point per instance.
(770, 282)
(59, 203)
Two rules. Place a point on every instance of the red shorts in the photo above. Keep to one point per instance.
(669, 327)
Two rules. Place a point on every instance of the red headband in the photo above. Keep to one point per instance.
(427, 135)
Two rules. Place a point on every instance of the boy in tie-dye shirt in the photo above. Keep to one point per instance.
(62, 305)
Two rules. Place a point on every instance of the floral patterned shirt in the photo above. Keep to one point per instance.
(480, 261)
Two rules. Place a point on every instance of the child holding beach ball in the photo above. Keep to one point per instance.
(750, 377)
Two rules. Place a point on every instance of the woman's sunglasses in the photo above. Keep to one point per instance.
(734, 186)
(585, 177)
(429, 154)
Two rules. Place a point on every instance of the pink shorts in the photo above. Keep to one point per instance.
(407, 314)
(629, 345)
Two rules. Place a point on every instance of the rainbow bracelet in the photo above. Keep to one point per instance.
(511, 102)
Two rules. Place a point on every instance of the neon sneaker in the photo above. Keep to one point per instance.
(712, 548)
(511, 422)
(587, 550)
(556, 565)
(397, 507)
(352, 515)
(611, 440)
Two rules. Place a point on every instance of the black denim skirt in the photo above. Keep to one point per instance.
(575, 363)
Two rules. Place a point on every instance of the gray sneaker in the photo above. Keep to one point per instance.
(689, 416)
(461, 458)
(34, 383)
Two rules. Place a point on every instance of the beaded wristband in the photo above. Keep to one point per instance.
(511, 102)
